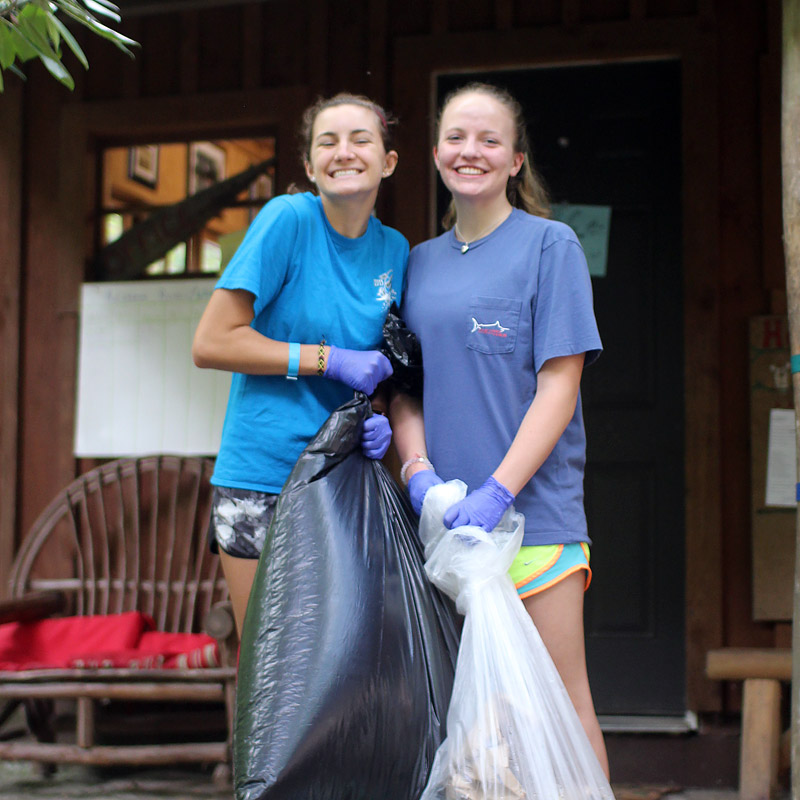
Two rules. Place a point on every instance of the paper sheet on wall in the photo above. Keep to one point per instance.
(138, 390)
(781, 459)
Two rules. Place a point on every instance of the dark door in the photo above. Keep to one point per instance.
(610, 136)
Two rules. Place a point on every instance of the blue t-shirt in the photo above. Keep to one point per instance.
(487, 321)
(309, 283)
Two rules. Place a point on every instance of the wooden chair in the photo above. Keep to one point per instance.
(127, 536)
(762, 671)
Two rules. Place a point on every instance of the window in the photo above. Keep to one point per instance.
(140, 180)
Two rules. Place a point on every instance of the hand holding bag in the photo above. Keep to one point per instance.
(512, 731)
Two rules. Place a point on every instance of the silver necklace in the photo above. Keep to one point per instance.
(485, 232)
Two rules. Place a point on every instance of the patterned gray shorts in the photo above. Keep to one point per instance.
(240, 519)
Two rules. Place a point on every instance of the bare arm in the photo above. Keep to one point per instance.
(224, 340)
(408, 428)
(544, 422)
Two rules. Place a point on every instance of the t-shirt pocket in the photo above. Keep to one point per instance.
(493, 324)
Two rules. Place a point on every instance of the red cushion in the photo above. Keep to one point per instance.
(115, 640)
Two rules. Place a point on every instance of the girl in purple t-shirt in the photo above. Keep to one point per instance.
(501, 304)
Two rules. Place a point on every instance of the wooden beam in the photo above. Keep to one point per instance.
(146, 691)
(189, 52)
(758, 759)
(252, 44)
(570, 13)
(85, 722)
(701, 324)
(378, 27)
(198, 752)
(48, 350)
(440, 21)
(10, 276)
(741, 663)
(503, 14)
(317, 46)
(790, 162)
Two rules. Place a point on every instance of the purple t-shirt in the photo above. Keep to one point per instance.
(487, 321)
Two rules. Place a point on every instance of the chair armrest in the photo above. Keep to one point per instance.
(32, 606)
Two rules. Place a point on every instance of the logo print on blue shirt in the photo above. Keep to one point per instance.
(489, 329)
(386, 294)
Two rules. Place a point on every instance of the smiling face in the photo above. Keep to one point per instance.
(347, 156)
(475, 153)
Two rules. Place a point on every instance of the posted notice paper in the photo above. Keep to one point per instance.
(781, 459)
(138, 389)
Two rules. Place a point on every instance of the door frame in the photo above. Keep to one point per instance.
(420, 59)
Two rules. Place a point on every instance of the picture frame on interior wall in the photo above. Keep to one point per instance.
(206, 166)
(143, 164)
(259, 192)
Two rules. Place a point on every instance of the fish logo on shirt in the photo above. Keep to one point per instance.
(386, 294)
(489, 329)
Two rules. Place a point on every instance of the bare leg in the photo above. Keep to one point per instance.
(557, 613)
(239, 575)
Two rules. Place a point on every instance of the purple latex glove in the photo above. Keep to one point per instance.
(361, 370)
(418, 485)
(484, 507)
(375, 436)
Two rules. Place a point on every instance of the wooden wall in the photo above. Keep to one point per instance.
(249, 69)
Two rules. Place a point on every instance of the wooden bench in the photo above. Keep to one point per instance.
(127, 536)
(762, 671)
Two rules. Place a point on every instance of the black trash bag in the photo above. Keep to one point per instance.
(348, 652)
(402, 348)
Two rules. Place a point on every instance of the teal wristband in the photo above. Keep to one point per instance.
(294, 361)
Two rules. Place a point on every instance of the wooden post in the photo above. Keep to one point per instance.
(790, 151)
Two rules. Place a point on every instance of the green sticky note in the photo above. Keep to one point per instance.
(592, 225)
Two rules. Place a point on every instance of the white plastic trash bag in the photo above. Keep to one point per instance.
(512, 731)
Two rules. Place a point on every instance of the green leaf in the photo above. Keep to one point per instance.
(9, 6)
(92, 5)
(7, 50)
(71, 42)
(24, 49)
(58, 71)
(36, 32)
(113, 7)
(34, 28)
(85, 18)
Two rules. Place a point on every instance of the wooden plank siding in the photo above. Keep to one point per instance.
(249, 69)
(10, 279)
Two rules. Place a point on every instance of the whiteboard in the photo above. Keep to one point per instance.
(138, 390)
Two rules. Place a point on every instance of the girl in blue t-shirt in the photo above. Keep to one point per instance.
(502, 306)
(297, 317)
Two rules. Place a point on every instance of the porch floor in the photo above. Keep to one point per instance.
(22, 781)
(638, 762)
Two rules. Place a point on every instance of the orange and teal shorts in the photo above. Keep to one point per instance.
(539, 567)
